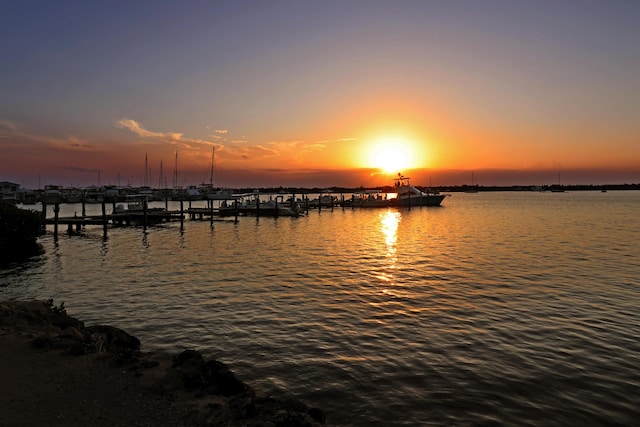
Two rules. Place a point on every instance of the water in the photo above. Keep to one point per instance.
(496, 309)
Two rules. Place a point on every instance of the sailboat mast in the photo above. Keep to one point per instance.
(175, 172)
(213, 156)
(146, 169)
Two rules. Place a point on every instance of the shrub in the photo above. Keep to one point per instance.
(19, 230)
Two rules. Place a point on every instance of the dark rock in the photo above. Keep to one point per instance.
(243, 407)
(187, 356)
(318, 415)
(225, 382)
(211, 377)
(109, 339)
(190, 368)
(64, 321)
(288, 412)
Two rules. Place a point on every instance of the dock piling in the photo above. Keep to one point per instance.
(104, 220)
(181, 214)
(56, 212)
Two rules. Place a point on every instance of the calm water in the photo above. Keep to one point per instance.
(496, 309)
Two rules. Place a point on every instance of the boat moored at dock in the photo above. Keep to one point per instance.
(370, 199)
(408, 195)
(250, 204)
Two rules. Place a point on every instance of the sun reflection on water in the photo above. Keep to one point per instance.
(389, 221)
(389, 225)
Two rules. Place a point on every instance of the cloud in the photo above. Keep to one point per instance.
(327, 141)
(23, 139)
(8, 127)
(253, 152)
(175, 138)
(228, 152)
(137, 128)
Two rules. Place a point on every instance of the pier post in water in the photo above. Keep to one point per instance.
(56, 212)
(44, 214)
(235, 209)
(145, 210)
(181, 214)
(104, 220)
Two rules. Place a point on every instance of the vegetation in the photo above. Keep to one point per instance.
(19, 230)
(55, 309)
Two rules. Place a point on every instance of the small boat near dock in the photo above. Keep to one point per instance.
(370, 199)
(250, 204)
(408, 195)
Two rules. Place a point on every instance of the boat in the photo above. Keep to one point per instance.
(370, 199)
(208, 191)
(557, 188)
(474, 186)
(193, 193)
(138, 202)
(250, 204)
(52, 194)
(325, 200)
(408, 195)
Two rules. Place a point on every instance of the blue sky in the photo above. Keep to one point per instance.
(289, 90)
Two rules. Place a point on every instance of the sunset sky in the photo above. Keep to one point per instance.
(320, 93)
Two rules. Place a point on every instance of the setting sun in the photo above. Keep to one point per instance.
(392, 155)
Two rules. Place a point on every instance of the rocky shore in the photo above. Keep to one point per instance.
(58, 372)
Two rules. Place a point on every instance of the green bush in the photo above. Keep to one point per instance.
(19, 230)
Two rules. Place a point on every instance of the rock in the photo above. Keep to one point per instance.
(220, 380)
(110, 339)
(188, 366)
(210, 377)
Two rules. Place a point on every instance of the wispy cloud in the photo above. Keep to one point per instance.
(137, 128)
(25, 139)
(327, 141)
(175, 138)
(252, 152)
(6, 127)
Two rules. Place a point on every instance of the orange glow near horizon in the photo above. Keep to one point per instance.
(393, 154)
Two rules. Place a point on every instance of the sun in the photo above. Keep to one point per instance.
(391, 155)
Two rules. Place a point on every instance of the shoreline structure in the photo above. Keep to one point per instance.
(58, 372)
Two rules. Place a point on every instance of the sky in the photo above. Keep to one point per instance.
(319, 93)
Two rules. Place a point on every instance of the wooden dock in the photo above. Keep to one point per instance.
(148, 216)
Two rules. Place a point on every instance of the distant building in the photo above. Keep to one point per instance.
(9, 192)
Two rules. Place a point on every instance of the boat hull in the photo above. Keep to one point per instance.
(423, 200)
